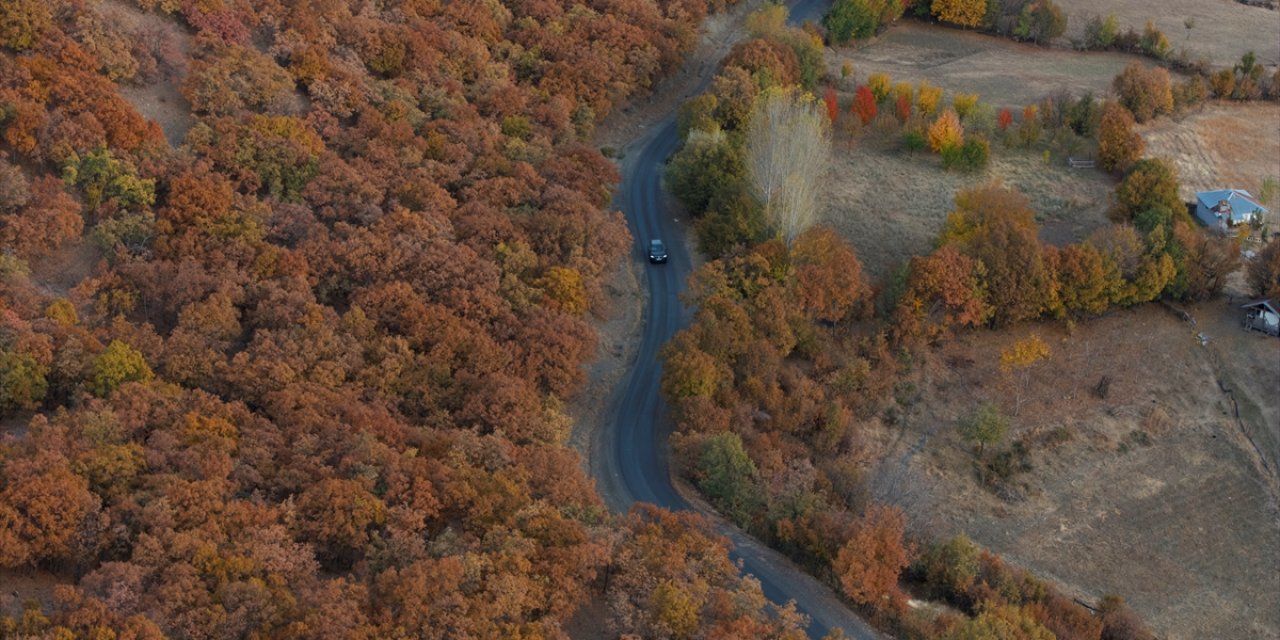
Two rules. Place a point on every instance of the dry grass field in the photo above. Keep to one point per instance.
(1154, 493)
(891, 205)
(1223, 29)
(1223, 145)
(1002, 72)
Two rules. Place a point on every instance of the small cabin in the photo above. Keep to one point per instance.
(1226, 208)
(1262, 315)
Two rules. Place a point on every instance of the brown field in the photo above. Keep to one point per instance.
(1157, 494)
(1224, 29)
(1223, 145)
(1002, 72)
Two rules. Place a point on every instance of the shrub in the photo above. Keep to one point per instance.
(1147, 93)
(913, 139)
(1189, 93)
(1040, 22)
(977, 151)
(952, 156)
(1119, 622)
(964, 103)
(950, 568)
(1029, 128)
(1153, 42)
(1004, 119)
(1100, 33)
(969, 156)
(1005, 464)
(1223, 83)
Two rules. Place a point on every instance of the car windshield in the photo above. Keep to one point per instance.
(656, 246)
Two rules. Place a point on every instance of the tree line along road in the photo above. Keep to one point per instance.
(631, 462)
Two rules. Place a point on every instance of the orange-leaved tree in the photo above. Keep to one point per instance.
(946, 132)
(828, 276)
(1118, 144)
(873, 558)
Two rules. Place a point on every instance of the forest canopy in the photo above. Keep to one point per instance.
(303, 374)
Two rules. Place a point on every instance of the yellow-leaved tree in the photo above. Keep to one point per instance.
(1018, 359)
(968, 13)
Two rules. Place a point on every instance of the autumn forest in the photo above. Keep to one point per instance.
(303, 370)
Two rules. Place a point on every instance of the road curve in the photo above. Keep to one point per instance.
(631, 452)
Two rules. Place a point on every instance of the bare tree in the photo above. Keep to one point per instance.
(788, 150)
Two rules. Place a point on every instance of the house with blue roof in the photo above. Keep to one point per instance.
(1228, 207)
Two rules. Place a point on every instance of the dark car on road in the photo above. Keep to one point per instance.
(657, 251)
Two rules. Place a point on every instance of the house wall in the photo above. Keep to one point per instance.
(1210, 219)
(1205, 214)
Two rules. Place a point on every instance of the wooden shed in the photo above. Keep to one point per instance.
(1262, 315)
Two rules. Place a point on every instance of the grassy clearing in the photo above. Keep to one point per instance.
(891, 205)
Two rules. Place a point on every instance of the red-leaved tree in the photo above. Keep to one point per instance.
(864, 105)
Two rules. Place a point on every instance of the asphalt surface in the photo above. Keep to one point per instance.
(631, 462)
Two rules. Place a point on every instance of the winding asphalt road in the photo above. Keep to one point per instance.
(631, 461)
